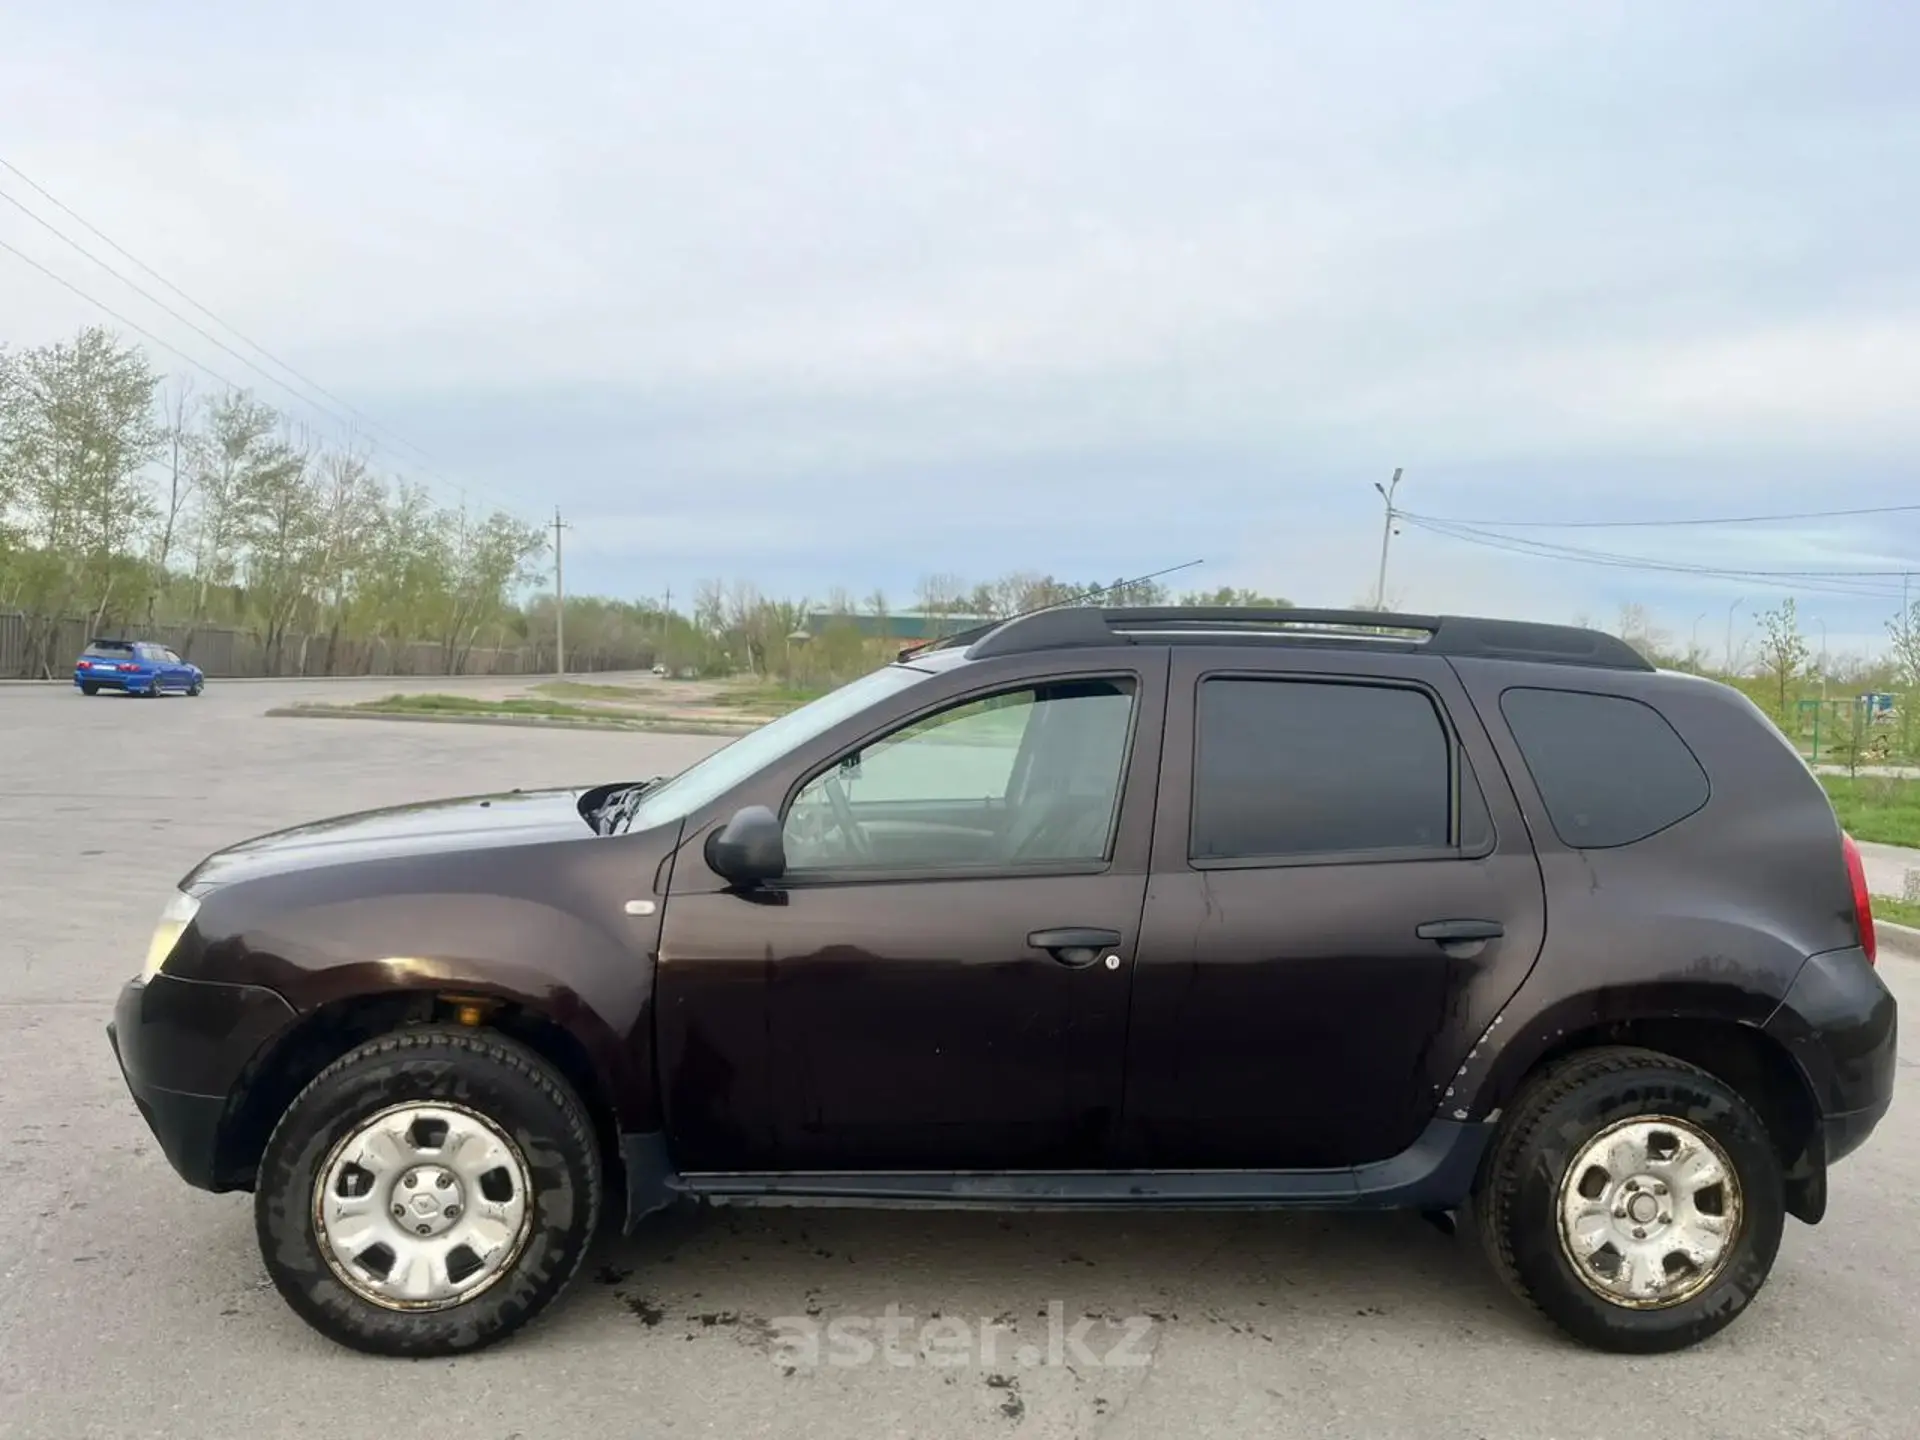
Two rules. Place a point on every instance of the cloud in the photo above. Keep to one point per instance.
(840, 293)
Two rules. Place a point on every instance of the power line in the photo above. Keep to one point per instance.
(107, 309)
(1833, 581)
(1549, 547)
(1858, 584)
(199, 330)
(346, 425)
(1660, 524)
(231, 329)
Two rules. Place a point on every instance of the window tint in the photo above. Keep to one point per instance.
(1025, 777)
(1289, 767)
(1610, 770)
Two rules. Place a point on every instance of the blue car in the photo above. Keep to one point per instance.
(134, 667)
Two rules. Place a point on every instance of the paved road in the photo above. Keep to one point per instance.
(1887, 867)
(132, 1306)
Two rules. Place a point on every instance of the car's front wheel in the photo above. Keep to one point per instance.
(428, 1193)
(196, 687)
(1634, 1199)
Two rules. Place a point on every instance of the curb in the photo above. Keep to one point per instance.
(523, 722)
(1904, 940)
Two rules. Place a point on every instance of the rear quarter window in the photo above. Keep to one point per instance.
(1610, 770)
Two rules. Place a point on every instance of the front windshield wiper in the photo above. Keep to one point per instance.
(613, 814)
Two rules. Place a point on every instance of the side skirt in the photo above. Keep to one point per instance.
(1436, 1172)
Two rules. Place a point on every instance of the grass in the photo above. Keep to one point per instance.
(1896, 912)
(1878, 808)
(468, 705)
(765, 699)
(584, 690)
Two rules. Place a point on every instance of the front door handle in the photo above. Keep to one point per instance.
(1453, 931)
(1074, 945)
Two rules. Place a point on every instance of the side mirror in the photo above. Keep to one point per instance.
(749, 849)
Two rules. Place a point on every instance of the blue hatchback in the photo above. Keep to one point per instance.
(135, 667)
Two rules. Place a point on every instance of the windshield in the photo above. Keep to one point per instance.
(721, 771)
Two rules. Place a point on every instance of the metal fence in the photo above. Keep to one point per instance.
(34, 647)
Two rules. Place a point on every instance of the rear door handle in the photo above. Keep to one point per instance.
(1074, 945)
(1446, 931)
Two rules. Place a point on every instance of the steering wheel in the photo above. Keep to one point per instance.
(844, 818)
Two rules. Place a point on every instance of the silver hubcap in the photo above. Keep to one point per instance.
(422, 1207)
(1649, 1212)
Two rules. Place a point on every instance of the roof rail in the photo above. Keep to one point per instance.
(1455, 636)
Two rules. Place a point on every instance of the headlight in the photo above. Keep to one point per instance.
(173, 924)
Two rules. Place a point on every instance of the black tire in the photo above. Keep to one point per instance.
(488, 1074)
(195, 688)
(1517, 1201)
(88, 689)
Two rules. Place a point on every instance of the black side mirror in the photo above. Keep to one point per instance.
(749, 849)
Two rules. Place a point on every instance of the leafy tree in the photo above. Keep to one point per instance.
(77, 424)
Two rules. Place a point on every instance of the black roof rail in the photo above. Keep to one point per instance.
(1455, 636)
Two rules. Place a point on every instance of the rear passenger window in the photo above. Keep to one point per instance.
(1290, 768)
(1610, 770)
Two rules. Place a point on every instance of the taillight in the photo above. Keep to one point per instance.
(86, 665)
(1862, 901)
(127, 669)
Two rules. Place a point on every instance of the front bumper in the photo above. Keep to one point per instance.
(1841, 1025)
(182, 1046)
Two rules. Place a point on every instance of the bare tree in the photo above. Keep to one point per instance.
(1783, 649)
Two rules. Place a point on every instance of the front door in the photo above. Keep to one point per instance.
(940, 982)
(1343, 897)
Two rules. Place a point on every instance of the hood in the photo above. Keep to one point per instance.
(516, 817)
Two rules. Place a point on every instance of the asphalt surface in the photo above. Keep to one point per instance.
(133, 1306)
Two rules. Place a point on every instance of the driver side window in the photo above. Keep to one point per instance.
(1025, 777)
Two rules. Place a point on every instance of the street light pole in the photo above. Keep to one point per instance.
(1386, 535)
(1730, 609)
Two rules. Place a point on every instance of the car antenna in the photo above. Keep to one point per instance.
(978, 630)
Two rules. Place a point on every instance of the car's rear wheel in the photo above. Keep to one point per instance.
(428, 1193)
(1634, 1199)
(87, 687)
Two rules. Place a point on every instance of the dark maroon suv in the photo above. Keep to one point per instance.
(1095, 908)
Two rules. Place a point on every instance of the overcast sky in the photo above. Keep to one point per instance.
(843, 293)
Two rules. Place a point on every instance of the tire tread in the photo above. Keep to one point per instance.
(1500, 1181)
(490, 1047)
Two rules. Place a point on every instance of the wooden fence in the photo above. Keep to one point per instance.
(33, 648)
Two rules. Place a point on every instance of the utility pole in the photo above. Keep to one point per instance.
(1730, 609)
(1386, 534)
(559, 598)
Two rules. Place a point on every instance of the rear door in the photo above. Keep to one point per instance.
(1343, 896)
